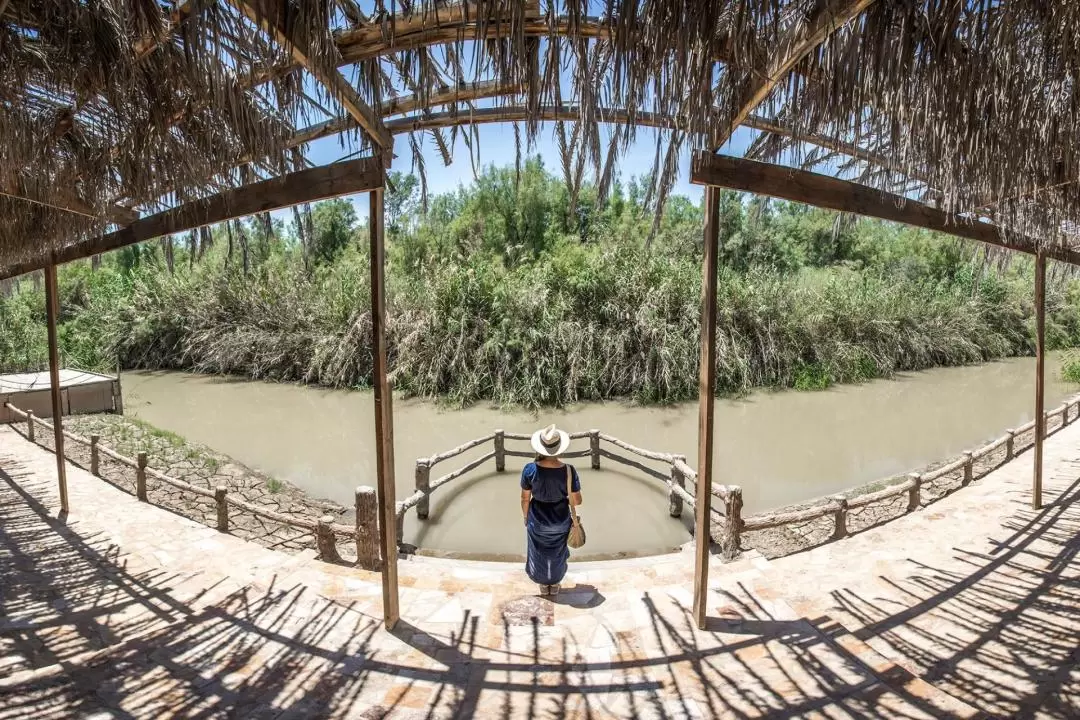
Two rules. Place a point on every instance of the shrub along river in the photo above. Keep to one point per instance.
(781, 447)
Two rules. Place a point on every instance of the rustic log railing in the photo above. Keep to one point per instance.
(839, 506)
(676, 478)
(728, 524)
(324, 529)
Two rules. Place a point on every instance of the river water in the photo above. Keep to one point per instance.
(781, 447)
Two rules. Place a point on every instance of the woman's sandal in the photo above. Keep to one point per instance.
(553, 590)
(544, 589)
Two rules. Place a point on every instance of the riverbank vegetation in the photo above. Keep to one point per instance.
(511, 290)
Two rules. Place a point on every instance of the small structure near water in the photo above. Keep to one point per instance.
(81, 391)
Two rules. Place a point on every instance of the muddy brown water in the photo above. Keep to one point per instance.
(781, 447)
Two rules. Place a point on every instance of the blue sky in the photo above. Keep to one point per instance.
(497, 147)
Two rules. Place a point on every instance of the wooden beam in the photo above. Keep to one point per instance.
(344, 178)
(52, 310)
(518, 113)
(410, 103)
(800, 40)
(384, 415)
(706, 399)
(179, 14)
(68, 202)
(272, 17)
(1040, 371)
(844, 196)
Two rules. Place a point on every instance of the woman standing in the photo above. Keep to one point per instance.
(545, 504)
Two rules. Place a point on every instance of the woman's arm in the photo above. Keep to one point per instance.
(526, 497)
(575, 499)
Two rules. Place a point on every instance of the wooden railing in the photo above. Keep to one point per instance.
(678, 475)
(325, 530)
(839, 506)
(727, 523)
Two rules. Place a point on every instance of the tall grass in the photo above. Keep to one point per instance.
(578, 323)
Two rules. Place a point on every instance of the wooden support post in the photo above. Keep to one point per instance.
(325, 540)
(675, 502)
(95, 456)
(840, 530)
(594, 448)
(384, 414)
(969, 463)
(731, 542)
(1010, 444)
(30, 432)
(706, 391)
(1065, 415)
(367, 528)
(118, 395)
(222, 508)
(423, 484)
(1040, 370)
(52, 310)
(500, 451)
(915, 493)
(140, 477)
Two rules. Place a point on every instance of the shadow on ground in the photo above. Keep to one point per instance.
(81, 634)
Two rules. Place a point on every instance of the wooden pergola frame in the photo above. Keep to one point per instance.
(368, 175)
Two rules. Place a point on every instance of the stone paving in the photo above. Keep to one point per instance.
(968, 608)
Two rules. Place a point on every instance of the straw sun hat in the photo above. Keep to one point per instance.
(550, 441)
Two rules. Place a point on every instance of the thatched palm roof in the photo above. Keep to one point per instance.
(120, 107)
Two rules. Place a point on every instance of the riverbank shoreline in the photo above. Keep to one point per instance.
(204, 467)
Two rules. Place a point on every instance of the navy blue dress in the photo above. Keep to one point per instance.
(548, 522)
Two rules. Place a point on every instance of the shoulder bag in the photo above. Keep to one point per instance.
(577, 531)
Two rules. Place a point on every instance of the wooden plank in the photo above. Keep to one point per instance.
(801, 39)
(179, 14)
(410, 103)
(52, 310)
(272, 16)
(836, 194)
(1040, 369)
(569, 113)
(384, 415)
(344, 178)
(706, 393)
(66, 201)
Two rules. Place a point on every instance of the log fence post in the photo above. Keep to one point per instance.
(95, 456)
(222, 508)
(500, 451)
(594, 448)
(915, 493)
(840, 529)
(675, 501)
(30, 425)
(1010, 444)
(1065, 415)
(969, 462)
(140, 477)
(367, 528)
(400, 526)
(423, 484)
(731, 540)
(327, 543)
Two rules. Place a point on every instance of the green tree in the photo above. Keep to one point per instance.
(334, 228)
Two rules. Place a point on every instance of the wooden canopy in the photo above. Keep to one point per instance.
(120, 109)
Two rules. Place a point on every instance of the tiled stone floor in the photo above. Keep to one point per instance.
(968, 608)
